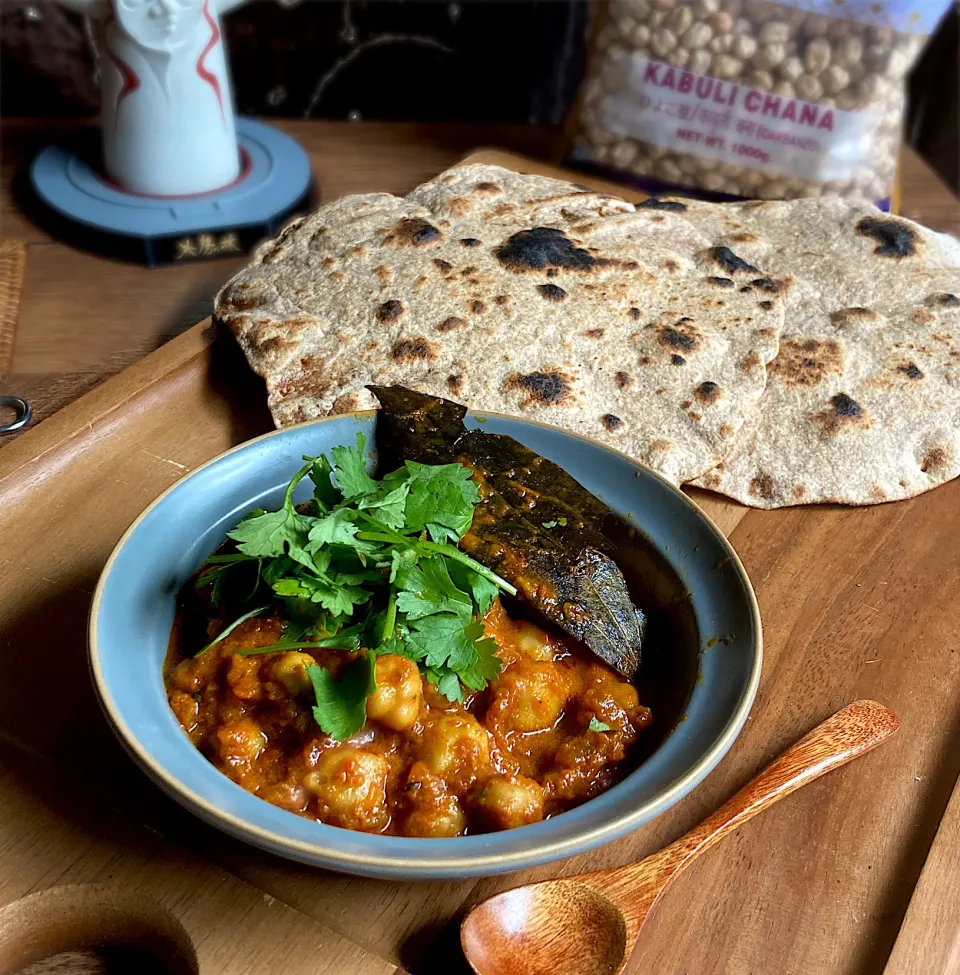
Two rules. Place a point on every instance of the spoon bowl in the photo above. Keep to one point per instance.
(588, 925)
(508, 934)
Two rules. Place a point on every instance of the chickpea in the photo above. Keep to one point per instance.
(679, 19)
(725, 66)
(697, 36)
(790, 69)
(700, 62)
(241, 741)
(721, 43)
(769, 56)
(744, 47)
(817, 55)
(808, 88)
(444, 817)
(640, 37)
(528, 697)
(507, 802)
(350, 786)
(456, 747)
(290, 669)
(662, 42)
(720, 22)
(774, 32)
(531, 640)
(396, 700)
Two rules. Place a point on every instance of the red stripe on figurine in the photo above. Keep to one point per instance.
(202, 71)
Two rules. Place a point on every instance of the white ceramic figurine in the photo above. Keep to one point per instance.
(167, 110)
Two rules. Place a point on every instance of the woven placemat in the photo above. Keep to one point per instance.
(13, 265)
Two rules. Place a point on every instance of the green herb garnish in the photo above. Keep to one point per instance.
(371, 567)
(596, 725)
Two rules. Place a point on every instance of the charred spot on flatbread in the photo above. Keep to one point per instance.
(470, 242)
(477, 306)
(412, 232)
(548, 388)
(765, 305)
(681, 336)
(390, 311)
(595, 333)
(726, 259)
(455, 383)
(634, 313)
(414, 349)
(543, 247)
(551, 292)
(459, 206)
(852, 316)
(936, 459)
(766, 284)
(761, 486)
(719, 282)
(442, 264)
(806, 362)
(943, 299)
(894, 239)
(708, 392)
(623, 379)
(911, 370)
(678, 360)
(843, 412)
(611, 422)
(234, 302)
(655, 203)
(488, 189)
(452, 324)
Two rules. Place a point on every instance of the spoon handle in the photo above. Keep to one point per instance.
(850, 732)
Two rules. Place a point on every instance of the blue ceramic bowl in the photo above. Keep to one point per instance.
(133, 611)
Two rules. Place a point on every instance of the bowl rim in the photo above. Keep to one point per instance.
(393, 865)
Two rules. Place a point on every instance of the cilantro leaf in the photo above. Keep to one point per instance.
(337, 599)
(486, 666)
(428, 589)
(351, 470)
(341, 707)
(444, 639)
(447, 683)
(387, 508)
(596, 725)
(441, 495)
(336, 528)
(323, 490)
(480, 588)
(270, 534)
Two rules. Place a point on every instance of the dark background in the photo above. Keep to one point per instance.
(421, 60)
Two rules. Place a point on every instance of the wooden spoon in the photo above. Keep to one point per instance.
(588, 925)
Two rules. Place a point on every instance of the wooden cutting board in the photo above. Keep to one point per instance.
(855, 603)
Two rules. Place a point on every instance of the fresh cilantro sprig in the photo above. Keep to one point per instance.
(366, 566)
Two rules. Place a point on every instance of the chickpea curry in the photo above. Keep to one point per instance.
(446, 650)
(551, 731)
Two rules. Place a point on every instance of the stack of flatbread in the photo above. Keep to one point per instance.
(780, 353)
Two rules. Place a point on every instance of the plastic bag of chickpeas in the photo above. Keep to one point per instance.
(747, 98)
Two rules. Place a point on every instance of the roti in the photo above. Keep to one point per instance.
(863, 401)
(516, 294)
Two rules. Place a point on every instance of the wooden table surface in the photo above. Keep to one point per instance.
(855, 603)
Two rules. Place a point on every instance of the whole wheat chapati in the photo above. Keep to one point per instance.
(863, 401)
(518, 294)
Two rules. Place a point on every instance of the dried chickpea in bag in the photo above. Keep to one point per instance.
(749, 98)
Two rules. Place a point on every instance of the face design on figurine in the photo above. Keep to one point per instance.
(159, 25)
